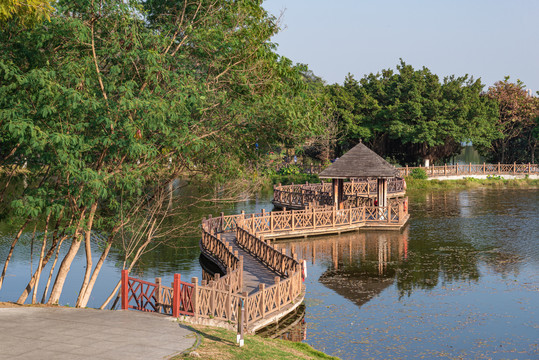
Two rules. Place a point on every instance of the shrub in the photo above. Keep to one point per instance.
(420, 174)
(289, 170)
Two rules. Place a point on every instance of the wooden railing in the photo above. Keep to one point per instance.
(273, 298)
(475, 169)
(303, 195)
(220, 250)
(222, 303)
(222, 298)
(277, 261)
(277, 223)
(154, 297)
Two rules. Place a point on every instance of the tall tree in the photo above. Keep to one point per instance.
(111, 98)
(517, 122)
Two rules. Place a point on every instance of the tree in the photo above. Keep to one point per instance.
(517, 122)
(111, 98)
(410, 115)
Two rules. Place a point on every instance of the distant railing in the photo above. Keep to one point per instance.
(474, 169)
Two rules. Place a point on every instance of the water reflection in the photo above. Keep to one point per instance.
(460, 281)
(357, 265)
(292, 327)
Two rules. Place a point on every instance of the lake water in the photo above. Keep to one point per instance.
(460, 281)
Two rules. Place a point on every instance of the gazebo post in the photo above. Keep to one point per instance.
(335, 190)
(338, 189)
(382, 192)
(340, 193)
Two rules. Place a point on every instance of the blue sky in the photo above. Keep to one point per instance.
(488, 39)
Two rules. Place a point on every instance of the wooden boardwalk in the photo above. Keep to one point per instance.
(254, 271)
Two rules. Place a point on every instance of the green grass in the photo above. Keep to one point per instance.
(220, 344)
(470, 183)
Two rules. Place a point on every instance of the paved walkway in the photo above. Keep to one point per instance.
(77, 334)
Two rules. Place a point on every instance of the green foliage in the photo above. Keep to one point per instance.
(420, 174)
(27, 12)
(289, 170)
(410, 115)
(294, 179)
(518, 124)
(110, 101)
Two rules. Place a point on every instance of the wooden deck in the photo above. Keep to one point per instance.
(254, 272)
(267, 280)
(260, 281)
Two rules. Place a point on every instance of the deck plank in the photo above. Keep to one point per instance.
(254, 272)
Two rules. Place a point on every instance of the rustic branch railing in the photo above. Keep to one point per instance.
(302, 195)
(475, 169)
(289, 221)
(277, 261)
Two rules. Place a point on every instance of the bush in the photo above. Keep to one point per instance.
(289, 170)
(419, 174)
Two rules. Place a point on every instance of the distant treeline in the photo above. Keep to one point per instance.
(411, 115)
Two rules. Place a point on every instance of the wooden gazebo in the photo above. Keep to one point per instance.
(362, 163)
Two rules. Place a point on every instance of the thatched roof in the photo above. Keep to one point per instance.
(359, 162)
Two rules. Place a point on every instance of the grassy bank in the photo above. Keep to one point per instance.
(220, 344)
(470, 183)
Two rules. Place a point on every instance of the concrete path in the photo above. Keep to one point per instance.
(76, 334)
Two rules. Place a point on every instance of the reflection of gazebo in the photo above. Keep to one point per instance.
(362, 163)
(357, 287)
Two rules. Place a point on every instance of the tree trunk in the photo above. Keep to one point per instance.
(52, 270)
(6, 263)
(31, 283)
(41, 256)
(114, 291)
(65, 266)
(88, 248)
(84, 300)
(86, 296)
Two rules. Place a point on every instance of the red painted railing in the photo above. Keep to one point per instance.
(153, 297)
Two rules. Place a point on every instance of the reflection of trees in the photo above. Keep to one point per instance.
(426, 266)
(361, 265)
(503, 263)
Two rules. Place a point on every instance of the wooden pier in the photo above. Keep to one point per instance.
(260, 284)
